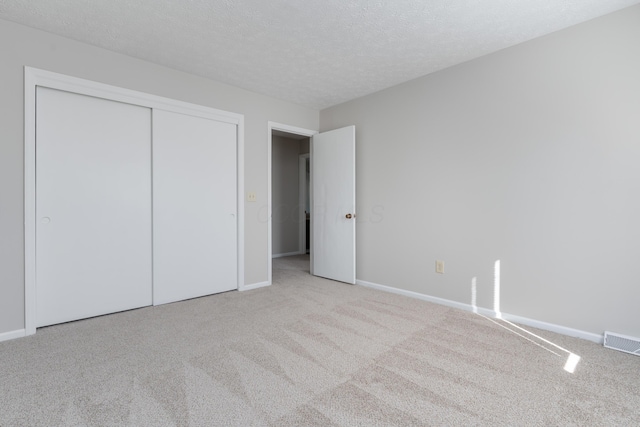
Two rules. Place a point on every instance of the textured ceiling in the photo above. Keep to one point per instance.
(316, 53)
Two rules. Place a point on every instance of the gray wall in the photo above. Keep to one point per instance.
(530, 156)
(20, 46)
(285, 194)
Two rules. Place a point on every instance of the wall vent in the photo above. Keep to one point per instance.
(622, 343)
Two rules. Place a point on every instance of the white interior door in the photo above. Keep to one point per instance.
(93, 206)
(333, 214)
(195, 250)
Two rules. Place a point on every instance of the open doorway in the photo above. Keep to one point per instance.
(332, 201)
(289, 189)
(289, 196)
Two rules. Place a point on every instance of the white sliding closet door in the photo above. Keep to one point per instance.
(93, 206)
(194, 205)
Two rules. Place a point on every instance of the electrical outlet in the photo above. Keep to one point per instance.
(440, 267)
(251, 196)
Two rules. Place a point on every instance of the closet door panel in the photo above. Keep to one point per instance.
(194, 206)
(93, 206)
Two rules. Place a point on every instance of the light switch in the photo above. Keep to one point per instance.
(251, 196)
(440, 267)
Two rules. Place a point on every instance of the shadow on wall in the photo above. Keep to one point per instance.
(572, 358)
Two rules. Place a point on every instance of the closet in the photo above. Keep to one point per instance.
(194, 207)
(135, 204)
(93, 248)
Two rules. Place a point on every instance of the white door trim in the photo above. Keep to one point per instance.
(34, 77)
(271, 126)
(302, 196)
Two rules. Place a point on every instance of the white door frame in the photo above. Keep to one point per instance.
(34, 77)
(302, 197)
(271, 126)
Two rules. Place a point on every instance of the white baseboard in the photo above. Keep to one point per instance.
(489, 313)
(6, 336)
(285, 254)
(564, 330)
(254, 286)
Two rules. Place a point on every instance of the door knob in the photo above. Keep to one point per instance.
(348, 216)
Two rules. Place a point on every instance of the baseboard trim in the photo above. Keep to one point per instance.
(564, 330)
(285, 254)
(11, 335)
(254, 286)
(486, 312)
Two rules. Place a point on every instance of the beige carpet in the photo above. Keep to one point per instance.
(309, 352)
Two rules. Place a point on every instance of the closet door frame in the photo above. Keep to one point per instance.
(33, 78)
